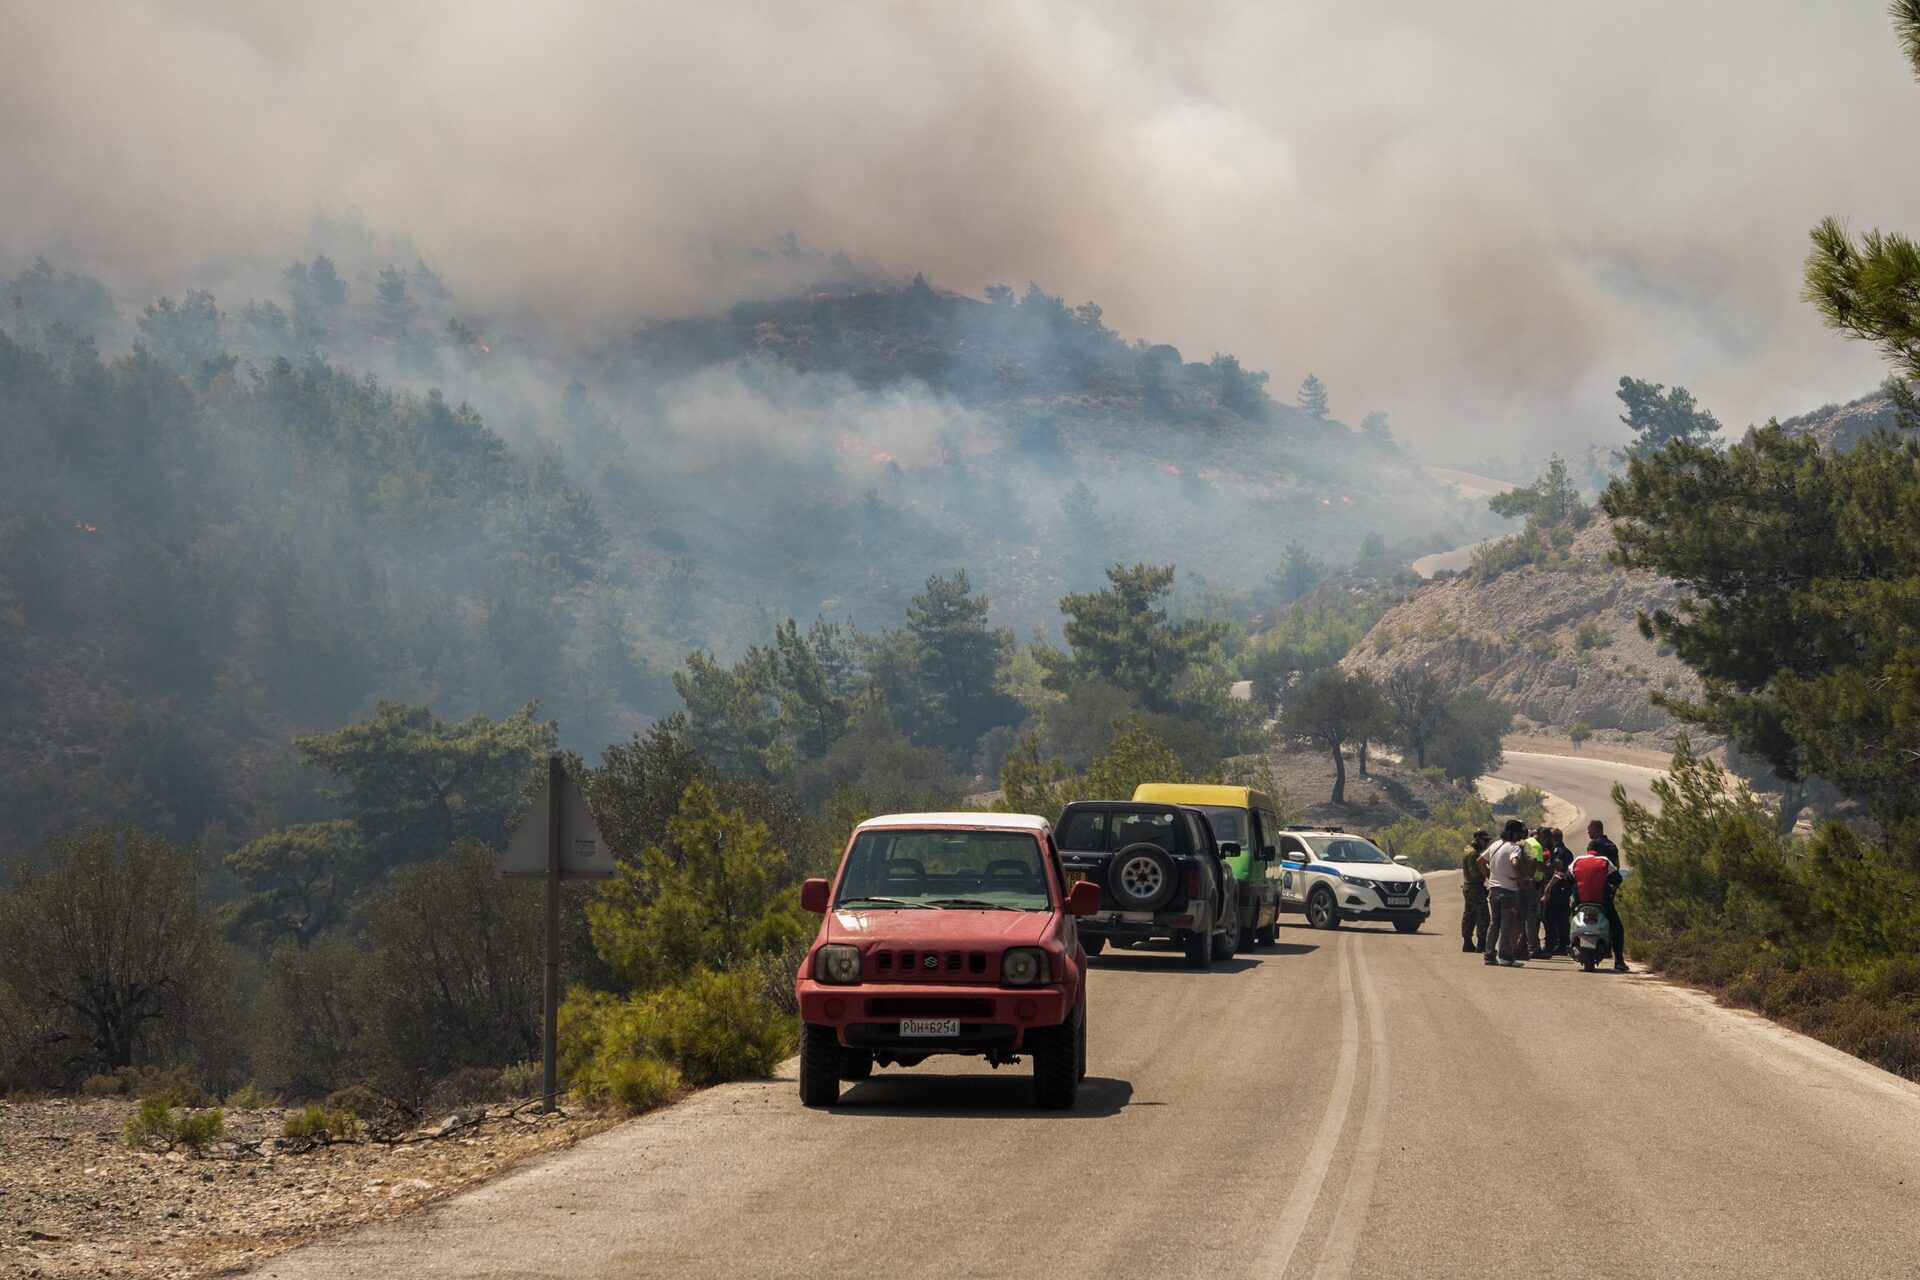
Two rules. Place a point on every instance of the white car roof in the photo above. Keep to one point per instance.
(978, 821)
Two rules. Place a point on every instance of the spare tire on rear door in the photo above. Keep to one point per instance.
(1141, 878)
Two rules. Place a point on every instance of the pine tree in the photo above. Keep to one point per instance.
(1659, 416)
(1313, 398)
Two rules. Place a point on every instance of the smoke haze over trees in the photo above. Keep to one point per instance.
(1455, 242)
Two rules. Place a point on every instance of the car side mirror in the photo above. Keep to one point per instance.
(1229, 848)
(1402, 859)
(1269, 854)
(1083, 899)
(813, 895)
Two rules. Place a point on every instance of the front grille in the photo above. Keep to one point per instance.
(909, 966)
(929, 1007)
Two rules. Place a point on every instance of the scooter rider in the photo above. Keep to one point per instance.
(1596, 879)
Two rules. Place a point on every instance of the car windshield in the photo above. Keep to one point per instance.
(890, 869)
(1347, 849)
(1228, 823)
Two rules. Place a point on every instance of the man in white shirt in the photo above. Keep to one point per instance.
(1506, 872)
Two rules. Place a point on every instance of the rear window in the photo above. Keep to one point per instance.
(1084, 829)
(1145, 828)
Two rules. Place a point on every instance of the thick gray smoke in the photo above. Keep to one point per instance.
(1477, 214)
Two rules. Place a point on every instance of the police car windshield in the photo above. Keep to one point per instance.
(1348, 849)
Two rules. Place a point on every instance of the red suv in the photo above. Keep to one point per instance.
(946, 933)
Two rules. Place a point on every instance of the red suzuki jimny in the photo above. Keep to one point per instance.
(946, 933)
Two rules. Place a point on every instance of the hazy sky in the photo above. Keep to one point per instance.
(1476, 214)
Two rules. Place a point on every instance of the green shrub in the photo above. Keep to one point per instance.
(710, 1027)
(642, 1083)
(1438, 843)
(1590, 635)
(103, 1086)
(318, 1124)
(520, 1080)
(251, 1097)
(1579, 731)
(158, 1124)
(1529, 804)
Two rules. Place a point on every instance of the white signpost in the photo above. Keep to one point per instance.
(556, 840)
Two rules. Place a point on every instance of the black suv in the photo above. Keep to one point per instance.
(1160, 875)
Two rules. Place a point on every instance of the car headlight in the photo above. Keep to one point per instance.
(837, 962)
(1361, 881)
(1023, 966)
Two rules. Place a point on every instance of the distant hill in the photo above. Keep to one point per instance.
(1557, 644)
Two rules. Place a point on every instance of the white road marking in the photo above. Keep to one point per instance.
(1343, 1238)
(1292, 1218)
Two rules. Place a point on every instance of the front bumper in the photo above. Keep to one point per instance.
(1360, 903)
(867, 1015)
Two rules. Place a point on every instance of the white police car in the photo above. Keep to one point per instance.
(1333, 876)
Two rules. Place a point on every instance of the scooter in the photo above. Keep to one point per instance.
(1591, 937)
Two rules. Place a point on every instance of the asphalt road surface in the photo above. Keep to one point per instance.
(1583, 782)
(1348, 1103)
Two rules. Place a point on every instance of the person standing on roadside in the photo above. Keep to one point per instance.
(1597, 842)
(1473, 891)
(1505, 873)
(1559, 894)
(1533, 885)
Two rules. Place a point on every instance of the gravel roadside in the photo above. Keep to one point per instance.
(74, 1201)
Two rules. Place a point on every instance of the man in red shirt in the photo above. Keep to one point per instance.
(1597, 880)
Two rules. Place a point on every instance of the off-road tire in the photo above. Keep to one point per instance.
(855, 1064)
(1322, 911)
(1221, 941)
(819, 1066)
(1199, 950)
(1142, 877)
(1407, 926)
(1056, 1066)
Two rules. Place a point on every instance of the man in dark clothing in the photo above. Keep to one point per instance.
(1559, 895)
(1473, 889)
(1596, 878)
(1597, 842)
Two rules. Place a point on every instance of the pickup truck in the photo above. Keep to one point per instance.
(945, 933)
(1160, 873)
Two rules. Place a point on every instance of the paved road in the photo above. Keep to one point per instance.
(1352, 1103)
(1583, 782)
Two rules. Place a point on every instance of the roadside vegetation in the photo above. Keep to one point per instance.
(368, 964)
(1799, 568)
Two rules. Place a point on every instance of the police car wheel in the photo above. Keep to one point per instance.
(1322, 911)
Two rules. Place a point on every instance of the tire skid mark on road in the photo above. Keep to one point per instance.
(1356, 1197)
(1291, 1221)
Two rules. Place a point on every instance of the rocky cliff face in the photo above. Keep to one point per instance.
(1559, 645)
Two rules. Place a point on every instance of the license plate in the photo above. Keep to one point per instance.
(1398, 902)
(929, 1026)
(1075, 877)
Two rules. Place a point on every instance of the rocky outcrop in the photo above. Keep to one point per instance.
(1560, 645)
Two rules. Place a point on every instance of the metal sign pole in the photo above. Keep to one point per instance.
(550, 1022)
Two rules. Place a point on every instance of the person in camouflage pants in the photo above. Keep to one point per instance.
(1473, 888)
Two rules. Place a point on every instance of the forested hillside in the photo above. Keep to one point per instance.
(229, 521)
